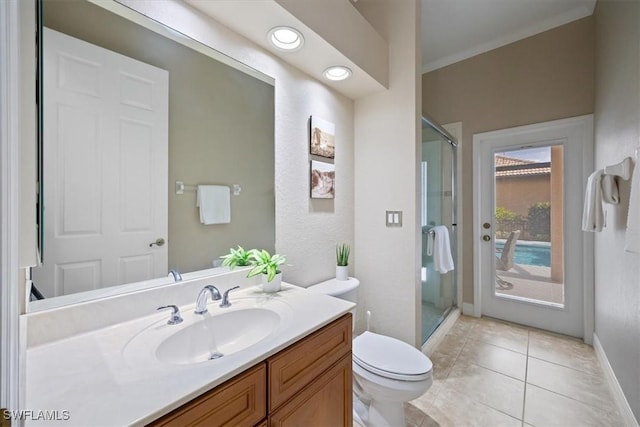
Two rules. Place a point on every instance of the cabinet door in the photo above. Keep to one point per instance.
(295, 367)
(328, 401)
(241, 401)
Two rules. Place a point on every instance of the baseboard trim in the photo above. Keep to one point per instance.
(468, 309)
(614, 385)
(438, 335)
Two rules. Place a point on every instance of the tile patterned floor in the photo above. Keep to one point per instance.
(490, 373)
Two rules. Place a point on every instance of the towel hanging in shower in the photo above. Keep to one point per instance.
(439, 246)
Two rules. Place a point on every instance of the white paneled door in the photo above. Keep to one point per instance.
(105, 166)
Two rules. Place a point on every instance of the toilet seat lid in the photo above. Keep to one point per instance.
(390, 358)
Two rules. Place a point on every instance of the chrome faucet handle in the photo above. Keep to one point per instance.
(225, 297)
(175, 314)
(201, 301)
(177, 277)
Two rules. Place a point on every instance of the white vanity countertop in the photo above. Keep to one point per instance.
(90, 376)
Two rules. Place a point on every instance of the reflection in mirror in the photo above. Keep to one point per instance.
(127, 112)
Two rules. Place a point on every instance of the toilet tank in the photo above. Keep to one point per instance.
(343, 289)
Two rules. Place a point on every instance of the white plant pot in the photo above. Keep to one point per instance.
(272, 286)
(342, 272)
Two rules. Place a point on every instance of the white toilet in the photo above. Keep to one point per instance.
(386, 372)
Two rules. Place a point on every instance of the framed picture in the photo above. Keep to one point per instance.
(322, 180)
(322, 138)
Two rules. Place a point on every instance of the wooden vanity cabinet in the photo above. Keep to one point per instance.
(327, 401)
(307, 384)
(310, 381)
(238, 402)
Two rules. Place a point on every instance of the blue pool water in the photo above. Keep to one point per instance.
(529, 254)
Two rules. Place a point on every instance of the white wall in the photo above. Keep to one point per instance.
(387, 134)
(617, 134)
(306, 230)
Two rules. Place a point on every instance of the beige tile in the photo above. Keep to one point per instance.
(496, 358)
(485, 386)
(413, 416)
(451, 344)
(455, 408)
(429, 422)
(445, 355)
(498, 324)
(563, 350)
(578, 385)
(425, 401)
(545, 408)
(478, 367)
(442, 364)
(504, 335)
(463, 326)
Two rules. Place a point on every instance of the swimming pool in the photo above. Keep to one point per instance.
(529, 254)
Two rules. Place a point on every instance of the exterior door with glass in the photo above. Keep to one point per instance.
(530, 250)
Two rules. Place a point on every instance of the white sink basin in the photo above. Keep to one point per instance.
(218, 336)
(214, 336)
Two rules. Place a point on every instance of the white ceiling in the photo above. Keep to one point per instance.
(453, 30)
(259, 16)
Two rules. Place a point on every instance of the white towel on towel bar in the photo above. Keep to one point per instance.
(593, 214)
(214, 202)
(610, 189)
(441, 249)
(632, 243)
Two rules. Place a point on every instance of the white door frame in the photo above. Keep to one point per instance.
(585, 125)
(10, 137)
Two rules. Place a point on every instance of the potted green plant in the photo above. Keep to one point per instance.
(267, 265)
(342, 261)
(236, 258)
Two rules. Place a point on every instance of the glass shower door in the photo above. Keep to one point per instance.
(437, 209)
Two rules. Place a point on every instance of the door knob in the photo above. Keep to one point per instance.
(486, 226)
(486, 237)
(159, 242)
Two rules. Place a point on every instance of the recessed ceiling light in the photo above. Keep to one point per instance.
(337, 72)
(286, 38)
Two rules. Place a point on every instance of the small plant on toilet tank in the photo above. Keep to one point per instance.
(342, 260)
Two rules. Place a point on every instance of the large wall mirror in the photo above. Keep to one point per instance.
(129, 108)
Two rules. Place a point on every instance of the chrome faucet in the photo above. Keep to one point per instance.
(201, 301)
(175, 314)
(225, 297)
(176, 275)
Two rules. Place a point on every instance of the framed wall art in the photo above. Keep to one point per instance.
(322, 137)
(322, 180)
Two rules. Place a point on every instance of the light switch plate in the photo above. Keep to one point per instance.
(394, 218)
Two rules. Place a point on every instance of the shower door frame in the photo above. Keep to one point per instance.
(452, 133)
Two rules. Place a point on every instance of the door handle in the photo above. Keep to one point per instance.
(159, 242)
(486, 238)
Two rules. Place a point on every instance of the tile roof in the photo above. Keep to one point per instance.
(512, 167)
